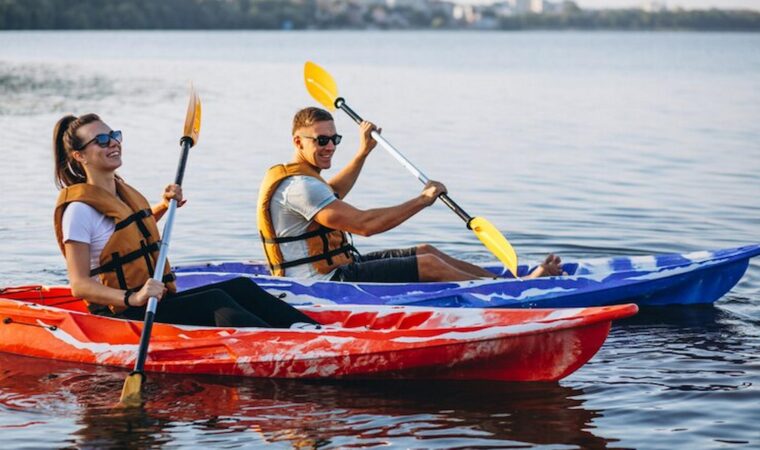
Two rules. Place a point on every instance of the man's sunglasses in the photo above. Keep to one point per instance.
(323, 140)
(103, 139)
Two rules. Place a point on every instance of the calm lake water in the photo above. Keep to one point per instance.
(584, 144)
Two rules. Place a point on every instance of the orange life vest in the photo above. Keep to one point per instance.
(328, 248)
(129, 257)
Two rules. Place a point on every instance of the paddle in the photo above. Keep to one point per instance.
(322, 87)
(130, 394)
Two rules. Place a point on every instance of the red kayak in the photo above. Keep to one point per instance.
(353, 342)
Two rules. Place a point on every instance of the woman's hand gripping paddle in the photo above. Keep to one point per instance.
(322, 87)
(130, 394)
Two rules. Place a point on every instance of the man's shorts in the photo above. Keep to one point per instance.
(387, 266)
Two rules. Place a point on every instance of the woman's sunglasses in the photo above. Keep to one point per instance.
(323, 140)
(103, 139)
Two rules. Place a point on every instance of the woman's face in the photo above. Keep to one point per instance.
(102, 149)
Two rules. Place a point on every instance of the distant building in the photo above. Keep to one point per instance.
(529, 6)
(654, 6)
(465, 13)
(405, 3)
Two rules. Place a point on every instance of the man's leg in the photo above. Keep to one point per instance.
(432, 268)
(462, 266)
(552, 265)
(400, 269)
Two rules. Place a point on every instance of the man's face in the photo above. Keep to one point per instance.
(309, 150)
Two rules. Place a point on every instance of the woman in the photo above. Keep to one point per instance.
(108, 234)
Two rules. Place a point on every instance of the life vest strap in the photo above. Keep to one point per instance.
(321, 231)
(138, 216)
(146, 256)
(346, 249)
(118, 260)
(326, 248)
(119, 268)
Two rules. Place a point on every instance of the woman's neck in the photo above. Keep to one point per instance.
(104, 180)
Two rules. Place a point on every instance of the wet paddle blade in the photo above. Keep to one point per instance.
(321, 85)
(130, 393)
(193, 117)
(492, 238)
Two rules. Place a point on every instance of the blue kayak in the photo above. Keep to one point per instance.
(668, 279)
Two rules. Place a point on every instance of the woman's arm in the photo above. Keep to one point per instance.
(171, 191)
(78, 267)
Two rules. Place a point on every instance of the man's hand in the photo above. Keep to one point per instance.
(431, 191)
(366, 142)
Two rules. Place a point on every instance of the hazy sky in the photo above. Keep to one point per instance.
(724, 4)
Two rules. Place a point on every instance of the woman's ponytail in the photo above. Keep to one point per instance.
(68, 171)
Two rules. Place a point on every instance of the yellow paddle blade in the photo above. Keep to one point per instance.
(130, 393)
(193, 117)
(320, 85)
(494, 241)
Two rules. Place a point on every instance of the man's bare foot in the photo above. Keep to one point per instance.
(551, 267)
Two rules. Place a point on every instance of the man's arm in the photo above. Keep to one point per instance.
(342, 216)
(344, 180)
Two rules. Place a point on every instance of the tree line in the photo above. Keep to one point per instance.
(341, 14)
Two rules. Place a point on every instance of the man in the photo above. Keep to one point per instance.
(303, 219)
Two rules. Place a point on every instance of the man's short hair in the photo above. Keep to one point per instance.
(309, 116)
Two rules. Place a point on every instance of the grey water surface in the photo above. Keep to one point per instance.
(583, 144)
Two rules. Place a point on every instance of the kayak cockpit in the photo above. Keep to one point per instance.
(61, 297)
(368, 317)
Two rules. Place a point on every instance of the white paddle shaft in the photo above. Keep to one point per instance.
(399, 157)
(158, 275)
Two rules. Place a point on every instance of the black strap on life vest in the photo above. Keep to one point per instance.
(322, 231)
(327, 254)
(138, 218)
(118, 260)
(310, 259)
(118, 267)
(146, 256)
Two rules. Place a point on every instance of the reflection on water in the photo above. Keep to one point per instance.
(668, 371)
(676, 372)
(301, 414)
(35, 88)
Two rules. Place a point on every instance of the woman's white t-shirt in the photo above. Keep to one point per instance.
(83, 223)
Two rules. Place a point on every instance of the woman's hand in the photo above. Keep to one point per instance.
(173, 191)
(151, 288)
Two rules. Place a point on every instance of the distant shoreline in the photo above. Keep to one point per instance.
(289, 15)
(375, 31)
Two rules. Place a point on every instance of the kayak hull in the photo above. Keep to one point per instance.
(389, 342)
(656, 280)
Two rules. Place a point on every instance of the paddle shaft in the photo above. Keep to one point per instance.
(341, 103)
(150, 311)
